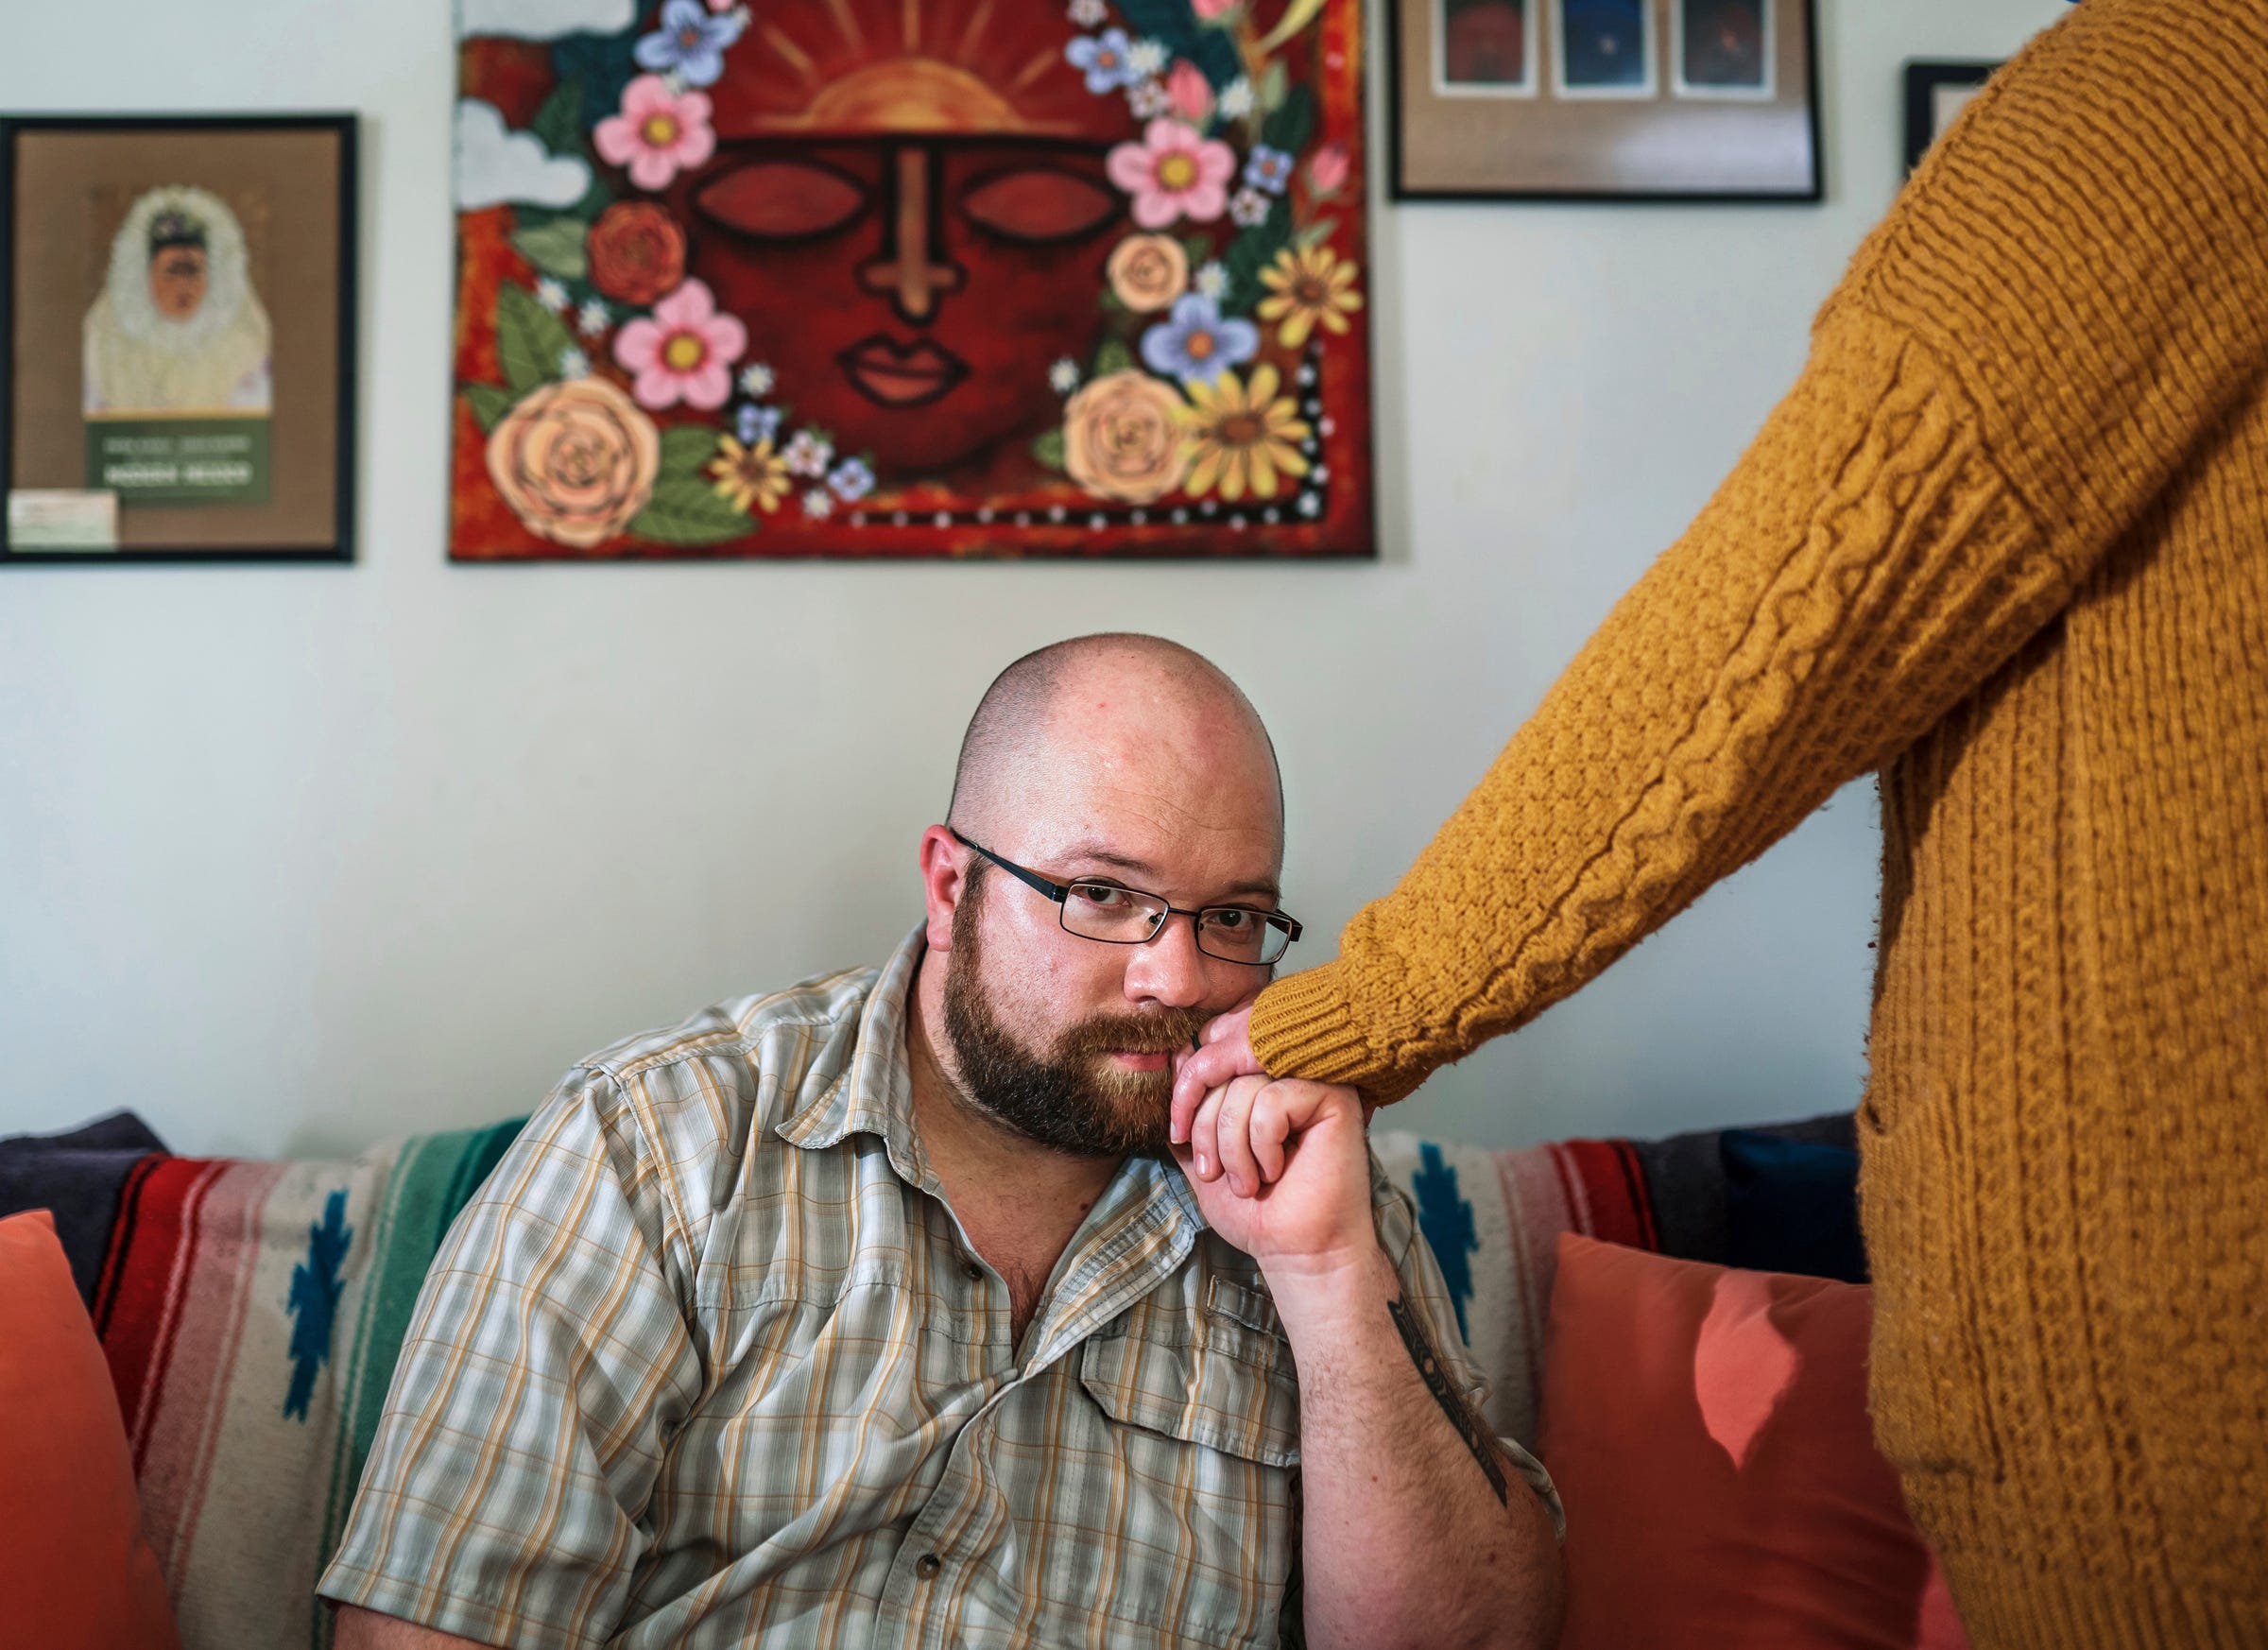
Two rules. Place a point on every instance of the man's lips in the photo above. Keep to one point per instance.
(894, 375)
(1141, 1060)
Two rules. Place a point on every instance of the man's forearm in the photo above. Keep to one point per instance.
(361, 1629)
(1415, 1531)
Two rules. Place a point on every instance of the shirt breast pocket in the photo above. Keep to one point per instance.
(1204, 1433)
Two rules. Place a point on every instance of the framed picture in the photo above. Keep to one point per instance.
(1605, 100)
(1935, 93)
(177, 338)
(911, 278)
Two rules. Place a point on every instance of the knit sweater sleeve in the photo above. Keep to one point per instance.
(1992, 399)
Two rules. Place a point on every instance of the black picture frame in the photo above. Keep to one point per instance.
(1403, 182)
(329, 535)
(1925, 81)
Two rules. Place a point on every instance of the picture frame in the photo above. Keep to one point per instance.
(913, 279)
(178, 335)
(1936, 92)
(1693, 101)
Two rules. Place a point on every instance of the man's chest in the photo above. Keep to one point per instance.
(871, 1433)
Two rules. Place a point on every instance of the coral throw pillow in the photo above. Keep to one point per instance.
(1708, 1430)
(75, 1570)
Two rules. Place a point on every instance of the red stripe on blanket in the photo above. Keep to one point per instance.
(121, 1240)
(1641, 1202)
(149, 1263)
(1605, 1192)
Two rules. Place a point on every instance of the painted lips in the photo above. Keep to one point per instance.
(897, 375)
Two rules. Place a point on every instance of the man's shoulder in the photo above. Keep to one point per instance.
(721, 1076)
(739, 1026)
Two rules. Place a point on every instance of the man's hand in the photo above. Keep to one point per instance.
(1226, 1056)
(1287, 1173)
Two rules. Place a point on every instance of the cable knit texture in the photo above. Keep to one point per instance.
(2005, 541)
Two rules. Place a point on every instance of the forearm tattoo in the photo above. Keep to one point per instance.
(1453, 1403)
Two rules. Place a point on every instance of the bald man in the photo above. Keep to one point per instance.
(876, 1311)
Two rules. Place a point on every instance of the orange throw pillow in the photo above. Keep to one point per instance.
(76, 1573)
(1708, 1430)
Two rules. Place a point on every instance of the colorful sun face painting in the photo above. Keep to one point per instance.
(859, 278)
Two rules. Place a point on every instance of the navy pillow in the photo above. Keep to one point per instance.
(1791, 1205)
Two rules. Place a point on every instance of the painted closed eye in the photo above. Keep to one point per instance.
(1039, 204)
(783, 200)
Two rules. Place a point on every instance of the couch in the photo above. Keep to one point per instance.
(250, 1311)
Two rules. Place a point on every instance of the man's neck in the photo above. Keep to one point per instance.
(1018, 1200)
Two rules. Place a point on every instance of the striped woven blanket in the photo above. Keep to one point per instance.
(252, 1312)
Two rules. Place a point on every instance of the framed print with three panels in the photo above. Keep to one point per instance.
(1690, 100)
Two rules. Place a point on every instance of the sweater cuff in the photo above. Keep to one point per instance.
(1304, 1027)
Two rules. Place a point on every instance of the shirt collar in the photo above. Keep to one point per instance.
(873, 1093)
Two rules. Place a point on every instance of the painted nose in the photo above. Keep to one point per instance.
(907, 272)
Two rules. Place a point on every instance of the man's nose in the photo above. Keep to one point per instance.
(1170, 969)
(909, 273)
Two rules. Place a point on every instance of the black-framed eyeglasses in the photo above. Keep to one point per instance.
(1097, 908)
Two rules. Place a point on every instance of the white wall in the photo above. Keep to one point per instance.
(293, 858)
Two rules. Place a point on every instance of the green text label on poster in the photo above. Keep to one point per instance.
(180, 461)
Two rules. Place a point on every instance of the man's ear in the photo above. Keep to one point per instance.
(944, 881)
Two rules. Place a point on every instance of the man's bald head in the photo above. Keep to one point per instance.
(1072, 700)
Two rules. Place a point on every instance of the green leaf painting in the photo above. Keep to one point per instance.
(559, 123)
(1048, 449)
(1275, 86)
(685, 448)
(1113, 357)
(1293, 123)
(489, 403)
(556, 248)
(686, 511)
(1253, 252)
(529, 341)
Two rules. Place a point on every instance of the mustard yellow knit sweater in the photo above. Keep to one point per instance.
(2006, 540)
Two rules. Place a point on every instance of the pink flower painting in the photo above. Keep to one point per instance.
(657, 134)
(686, 353)
(1191, 93)
(1174, 172)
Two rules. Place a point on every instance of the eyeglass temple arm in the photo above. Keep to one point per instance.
(1059, 892)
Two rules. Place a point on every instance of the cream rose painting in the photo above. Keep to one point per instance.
(575, 461)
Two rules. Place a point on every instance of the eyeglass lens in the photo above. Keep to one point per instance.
(1120, 916)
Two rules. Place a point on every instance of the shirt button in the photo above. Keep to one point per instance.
(977, 1273)
(928, 1565)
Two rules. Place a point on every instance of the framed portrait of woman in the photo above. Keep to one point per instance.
(177, 338)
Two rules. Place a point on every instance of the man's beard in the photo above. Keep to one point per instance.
(1068, 1098)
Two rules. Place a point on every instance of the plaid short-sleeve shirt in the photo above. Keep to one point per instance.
(708, 1360)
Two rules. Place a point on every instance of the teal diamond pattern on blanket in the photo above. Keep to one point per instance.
(1446, 1219)
(315, 1286)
